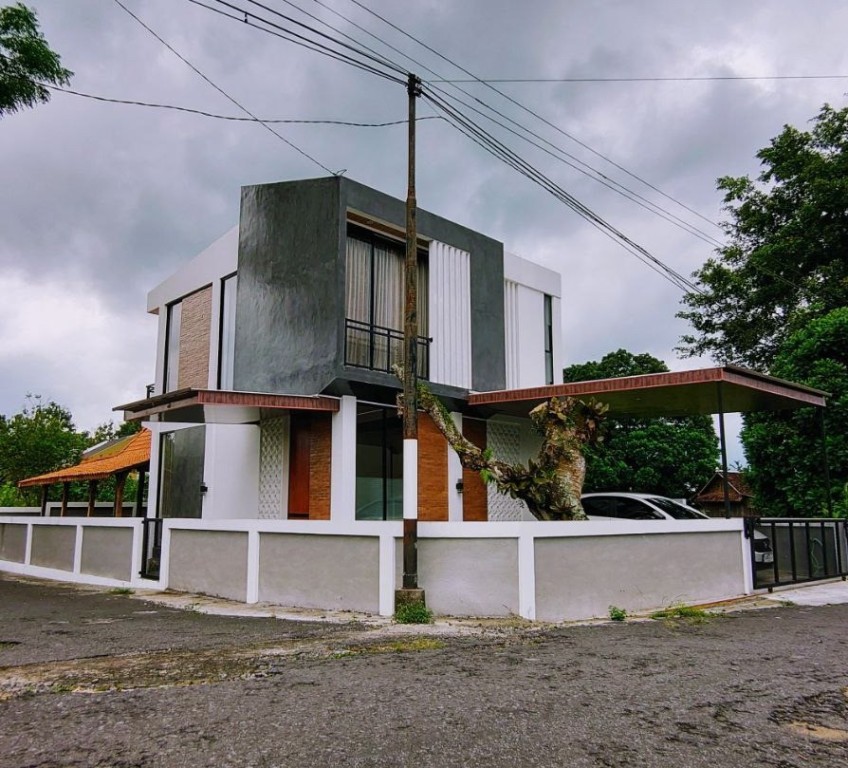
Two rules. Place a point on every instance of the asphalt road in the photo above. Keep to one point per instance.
(96, 679)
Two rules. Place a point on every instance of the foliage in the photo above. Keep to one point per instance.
(39, 439)
(784, 264)
(616, 613)
(551, 483)
(26, 62)
(414, 612)
(42, 438)
(785, 449)
(669, 456)
(689, 613)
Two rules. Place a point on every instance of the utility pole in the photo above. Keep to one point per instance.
(410, 591)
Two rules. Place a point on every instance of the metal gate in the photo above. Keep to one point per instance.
(151, 547)
(794, 550)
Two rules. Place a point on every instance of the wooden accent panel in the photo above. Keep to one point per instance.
(320, 460)
(299, 474)
(432, 471)
(195, 327)
(475, 500)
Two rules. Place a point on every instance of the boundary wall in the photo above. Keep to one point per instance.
(547, 571)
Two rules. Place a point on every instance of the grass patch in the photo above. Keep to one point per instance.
(413, 613)
(403, 645)
(689, 613)
(121, 591)
(616, 613)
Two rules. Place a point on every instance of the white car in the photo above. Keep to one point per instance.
(647, 506)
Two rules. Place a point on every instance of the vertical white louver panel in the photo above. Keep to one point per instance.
(450, 315)
(511, 334)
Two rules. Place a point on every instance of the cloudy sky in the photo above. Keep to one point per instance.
(101, 201)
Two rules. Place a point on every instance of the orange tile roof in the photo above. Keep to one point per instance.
(120, 456)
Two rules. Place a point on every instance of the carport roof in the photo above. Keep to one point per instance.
(726, 389)
(211, 406)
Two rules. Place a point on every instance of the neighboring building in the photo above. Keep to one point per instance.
(274, 395)
(739, 495)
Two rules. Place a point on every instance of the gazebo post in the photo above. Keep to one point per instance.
(139, 492)
(44, 489)
(92, 496)
(723, 440)
(120, 481)
(66, 487)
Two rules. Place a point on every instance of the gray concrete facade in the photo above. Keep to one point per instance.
(291, 286)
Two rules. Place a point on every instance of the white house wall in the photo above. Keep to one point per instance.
(450, 315)
(231, 471)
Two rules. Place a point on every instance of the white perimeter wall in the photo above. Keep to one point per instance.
(538, 570)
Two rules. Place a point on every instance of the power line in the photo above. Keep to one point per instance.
(705, 78)
(224, 93)
(234, 118)
(591, 172)
(533, 113)
(280, 31)
(503, 153)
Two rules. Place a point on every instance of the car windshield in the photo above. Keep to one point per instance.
(677, 511)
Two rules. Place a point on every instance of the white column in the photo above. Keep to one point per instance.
(343, 462)
(252, 595)
(527, 576)
(410, 479)
(454, 476)
(387, 570)
(77, 549)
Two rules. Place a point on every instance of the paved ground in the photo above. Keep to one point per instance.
(89, 678)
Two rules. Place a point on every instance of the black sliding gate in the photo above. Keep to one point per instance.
(794, 550)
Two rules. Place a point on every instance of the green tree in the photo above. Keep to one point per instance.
(668, 456)
(784, 263)
(785, 449)
(39, 439)
(27, 63)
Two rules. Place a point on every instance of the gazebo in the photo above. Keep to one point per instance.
(116, 457)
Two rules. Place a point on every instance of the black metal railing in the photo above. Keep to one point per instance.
(794, 550)
(151, 547)
(381, 349)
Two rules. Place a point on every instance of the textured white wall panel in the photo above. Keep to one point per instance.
(450, 315)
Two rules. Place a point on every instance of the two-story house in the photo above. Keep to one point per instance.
(275, 394)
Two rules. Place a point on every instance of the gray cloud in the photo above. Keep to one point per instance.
(106, 200)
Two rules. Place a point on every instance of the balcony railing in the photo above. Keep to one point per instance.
(380, 349)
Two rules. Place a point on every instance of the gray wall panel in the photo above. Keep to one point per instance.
(209, 563)
(330, 572)
(469, 577)
(107, 552)
(13, 542)
(580, 577)
(53, 546)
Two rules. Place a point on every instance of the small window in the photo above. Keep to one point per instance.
(227, 337)
(549, 340)
(172, 346)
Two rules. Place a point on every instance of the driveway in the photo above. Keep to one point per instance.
(89, 678)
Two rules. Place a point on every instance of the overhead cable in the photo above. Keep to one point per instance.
(224, 93)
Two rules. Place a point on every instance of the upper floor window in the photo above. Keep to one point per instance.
(172, 346)
(374, 303)
(549, 340)
(227, 335)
